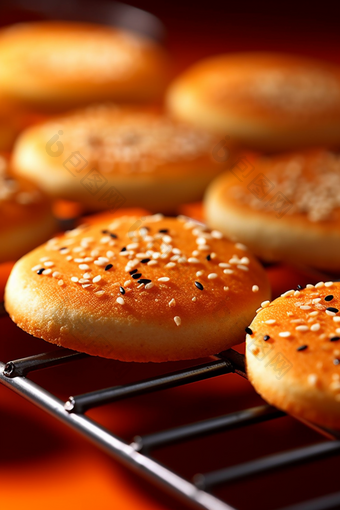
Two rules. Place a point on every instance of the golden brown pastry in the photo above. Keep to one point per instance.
(26, 217)
(293, 353)
(284, 207)
(267, 101)
(52, 65)
(105, 156)
(138, 289)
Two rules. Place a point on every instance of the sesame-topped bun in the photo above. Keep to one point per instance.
(26, 217)
(138, 289)
(54, 65)
(267, 101)
(293, 353)
(105, 154)
(283, 207)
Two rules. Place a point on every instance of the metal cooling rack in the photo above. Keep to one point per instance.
(138, 454)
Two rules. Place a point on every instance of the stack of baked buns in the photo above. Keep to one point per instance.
(155, 288)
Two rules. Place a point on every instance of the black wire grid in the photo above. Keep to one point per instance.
(197, 492)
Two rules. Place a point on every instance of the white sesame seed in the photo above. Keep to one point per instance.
(172, 302)
(284, 334)
(35, 268)
(194, 298)
(328, 284)
(182, 260)
(84, 280)
(177, 320)
(244, 260)
(319, 285)
(164, 279)
(94, 253)
(315, 327)
(132, 246)
(242, 267)
(109, 254)
(336, 318)
(201, 240)
(270, 321)
(74, 279)
(56, 274)
(199, 273)
(99, 263)
(193, 260)
(255, 288)
(47, 272)
(225, 289)
(87, 275)
(78, 260)
(69, 257)
(77, 249)
(203, 247)
(228, 271)
(309, 286)
(140, 285)
(337, 331)
(127, 283)
(176, 251)
(97, 279)
(167, 239)
(170, 264)
(61, 282)
(64, 251)
(305, 307)
(86, 285)
(120, 300)
(288, 293)
(88, 259)
(223, 264)
(149, 285)
(302, 328)
(313, 314)
(316, 300)
(312, 379)
(241, 246)
(49, 264)
(43, 259)
(100, 292)
(152, 263)
(84, 267)
(212, 276)
(195, 253)
(265, 303)
(297, 293)
(328, 312)
(216, 234)
(105, 239)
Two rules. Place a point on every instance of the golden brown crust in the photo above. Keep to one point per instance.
(151, 160)
(267, 101)
(284, 207)
(26, 216)
(58, 65)
(163, 317)
(293, 353)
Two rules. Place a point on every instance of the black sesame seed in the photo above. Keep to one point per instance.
(41, 270)
(208, 257)
(108, 267)
(105, 232)
(144, 261)
(249, 331)
(266, 337)
(144, 280)
(63, 248)
(334, 339)
(163, 230)
(122, 290)
(199, 285)
(302, 348)
(336, 361)
(299, 287)
(133, 271)
(114, 236)
(136, 276)
(123, 249)
(332, 309)
(329, 298)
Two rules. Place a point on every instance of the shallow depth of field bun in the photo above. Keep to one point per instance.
(266, 101)
(138, 289)
(52, 65)
(139, 155)
(293, 353)
(26, 215)
(284, 207)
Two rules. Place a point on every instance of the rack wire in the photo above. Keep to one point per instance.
(137, 455)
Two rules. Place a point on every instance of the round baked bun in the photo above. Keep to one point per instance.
(104, 156)
(55, 65)
(138, 289)
(267, 101)
(284, 207)
(26, 217)
(293, 353)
